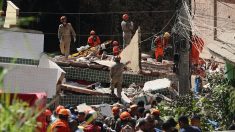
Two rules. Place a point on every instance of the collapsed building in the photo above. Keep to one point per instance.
(84, 69)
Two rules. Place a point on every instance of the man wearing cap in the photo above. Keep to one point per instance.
(65, 32)
(125, 118)
(56, 112)
(156, 114)
(116, 111)
(161, 43)
(48, 114)
(61, 125)
(127, 28)
(94, 39)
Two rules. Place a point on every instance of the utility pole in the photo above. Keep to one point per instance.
(215, 19)
(184, 64)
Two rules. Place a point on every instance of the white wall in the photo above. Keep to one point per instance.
(29, 79)
(21, 44)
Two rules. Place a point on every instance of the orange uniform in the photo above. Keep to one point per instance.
(160, 45)
(116, 50)
(93, 40)
(197, 46)
(60, 126)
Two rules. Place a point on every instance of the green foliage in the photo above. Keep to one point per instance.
(15, 116)
(216, 105)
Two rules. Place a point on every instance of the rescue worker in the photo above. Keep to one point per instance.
(56, 112)
(65, 31)
(48, 114)
(125, 119)
(116, 49)
(61, 125)
(93, 40)
(127, 28)
(196, 49)
(161, 43)
(116, 76)
(156, 114)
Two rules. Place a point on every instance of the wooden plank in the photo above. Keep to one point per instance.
(79, 89)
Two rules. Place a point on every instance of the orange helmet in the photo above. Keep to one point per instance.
(125, 115)
(92, 32)
(62, 18)
(58, 108)
(155, 112)
(115, 43)
(64, 112)
(125, 17)
(115, 110)
(47, 112)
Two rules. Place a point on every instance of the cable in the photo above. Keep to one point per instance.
(95, 13)
(226, 5)
(161, 29)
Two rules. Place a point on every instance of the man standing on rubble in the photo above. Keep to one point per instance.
(65, 32)
(127, 28)
(116, 76)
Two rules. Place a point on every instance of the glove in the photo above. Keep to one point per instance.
(74, 39)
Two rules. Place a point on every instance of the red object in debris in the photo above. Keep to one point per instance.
(116, 50)
(37, 100)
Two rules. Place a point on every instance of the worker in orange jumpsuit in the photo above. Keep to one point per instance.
(161, 43)
(197, 47)
(61, 125)
(93, 40)
(116, 49)
(47, 114)
(65, 32)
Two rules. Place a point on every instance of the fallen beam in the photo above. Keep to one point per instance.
(79, 90)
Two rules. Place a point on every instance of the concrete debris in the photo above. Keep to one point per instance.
(79, 90)
(131, 53)
(157, 84)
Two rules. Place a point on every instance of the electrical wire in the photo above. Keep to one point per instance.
(161, 29)
(96, 13)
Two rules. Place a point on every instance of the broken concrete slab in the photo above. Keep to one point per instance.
(131, 53)
(157, 84)
(80, 89)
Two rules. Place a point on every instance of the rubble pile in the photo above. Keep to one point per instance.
(88, 58)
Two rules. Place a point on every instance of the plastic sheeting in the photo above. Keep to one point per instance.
(157, 84)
